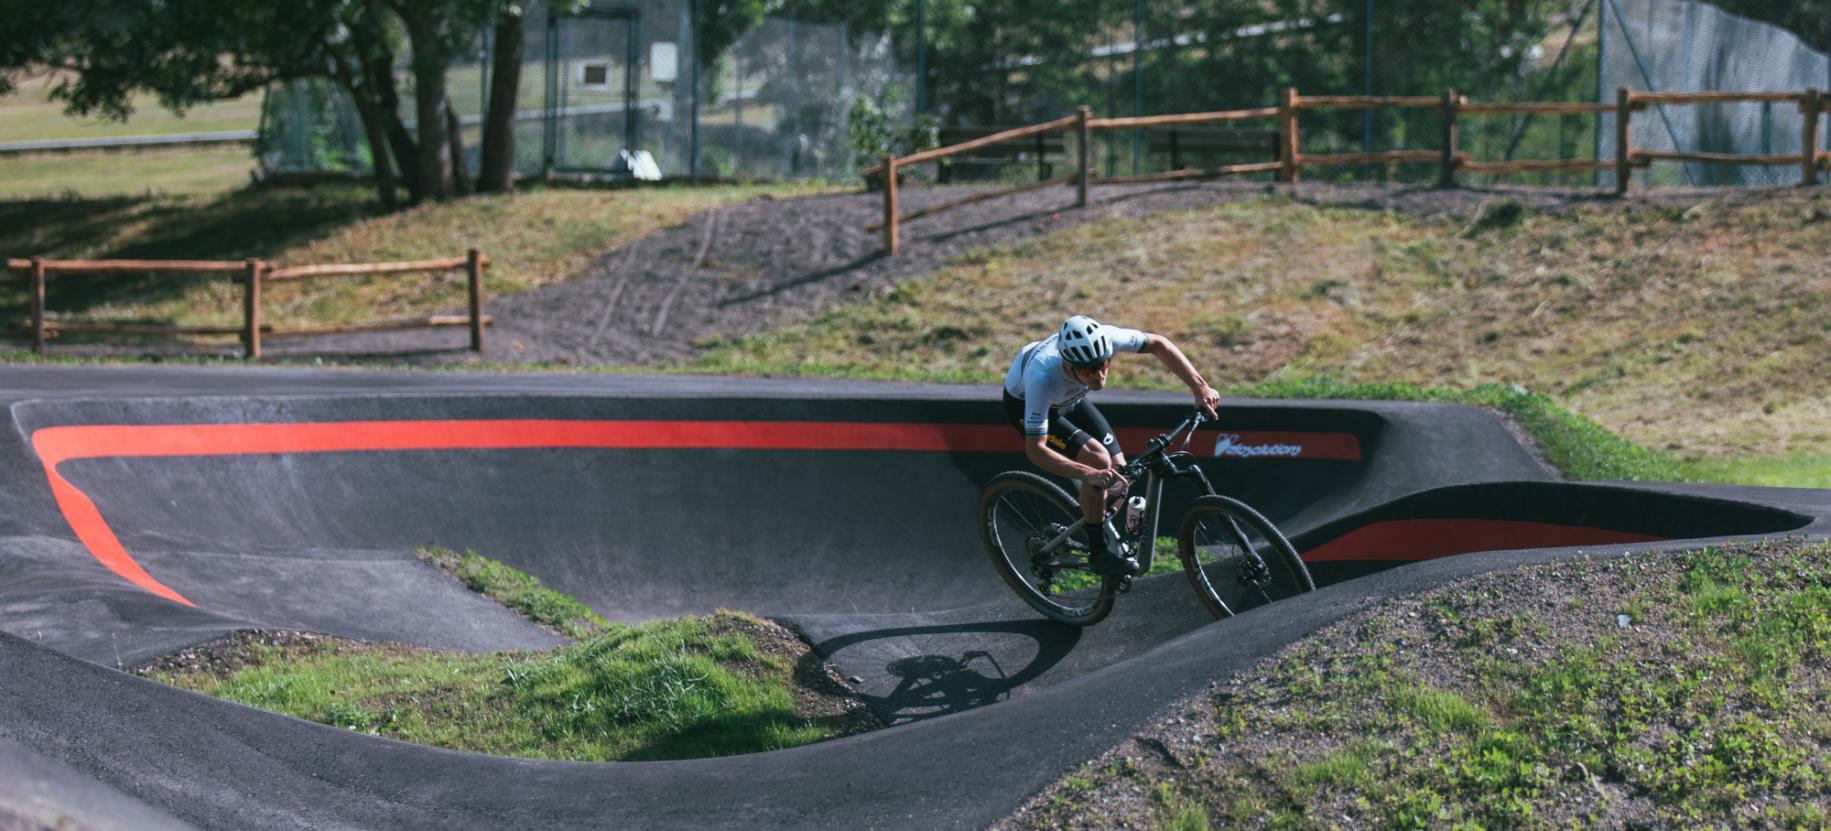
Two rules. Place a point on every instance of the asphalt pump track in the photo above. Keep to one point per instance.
(146, 509)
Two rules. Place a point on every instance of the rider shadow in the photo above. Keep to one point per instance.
(919, 672)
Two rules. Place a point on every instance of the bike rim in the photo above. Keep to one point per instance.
(1021, 521)
(1237, 565)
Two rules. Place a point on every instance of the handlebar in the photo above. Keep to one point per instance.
(1156, 446)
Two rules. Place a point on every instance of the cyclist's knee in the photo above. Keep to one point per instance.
(1093, 453)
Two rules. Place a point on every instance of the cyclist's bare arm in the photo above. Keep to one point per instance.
(1178, 364)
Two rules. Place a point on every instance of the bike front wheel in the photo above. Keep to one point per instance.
(1236, 559)
(1023, 519)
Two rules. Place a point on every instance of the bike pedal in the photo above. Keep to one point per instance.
(1125, 584)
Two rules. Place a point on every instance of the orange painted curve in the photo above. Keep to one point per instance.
(56, 445)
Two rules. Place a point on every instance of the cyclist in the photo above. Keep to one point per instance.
(1045, 398)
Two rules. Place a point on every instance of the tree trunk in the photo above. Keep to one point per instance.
(498, 174)
(380, 153)
(426, 35)
(454, 132)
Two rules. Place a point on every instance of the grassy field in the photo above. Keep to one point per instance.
(29, 114)
(536, 236)
(1697, 331)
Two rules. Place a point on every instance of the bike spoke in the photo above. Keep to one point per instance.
(1239, 566)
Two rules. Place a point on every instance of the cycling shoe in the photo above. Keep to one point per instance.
(1107, 564)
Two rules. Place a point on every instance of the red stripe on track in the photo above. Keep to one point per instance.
(56, 445)
(1429, 539)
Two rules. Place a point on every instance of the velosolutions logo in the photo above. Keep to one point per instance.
(1232, 445)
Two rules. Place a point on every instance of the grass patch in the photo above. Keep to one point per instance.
(182, 171)
(1712, 353)
(534, 237)
(691, 687)
(1789, 471)
(687, 688)
(518, 590)
(1518, 700)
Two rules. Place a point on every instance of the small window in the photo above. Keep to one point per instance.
(594, 75)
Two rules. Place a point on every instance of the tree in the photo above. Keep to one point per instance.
(205, 50)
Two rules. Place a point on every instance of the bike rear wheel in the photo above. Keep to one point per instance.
(1236, 559)
(1020, 514)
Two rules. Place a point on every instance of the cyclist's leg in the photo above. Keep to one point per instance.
(1084, 428)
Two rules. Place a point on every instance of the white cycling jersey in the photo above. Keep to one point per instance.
(1040, 378)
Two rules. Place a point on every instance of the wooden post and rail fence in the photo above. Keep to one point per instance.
(1291, 160)
(252, 274)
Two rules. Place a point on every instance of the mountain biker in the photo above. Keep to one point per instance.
(1045, 398)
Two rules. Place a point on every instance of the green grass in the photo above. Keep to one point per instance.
(1696, 334)
(674, 689)
(199, 171)
(29, 114)
(518, 590)
(535, 237)
(1702, 713)
(1792, 471)
(690, 687)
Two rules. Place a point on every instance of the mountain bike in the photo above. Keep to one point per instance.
(1037, 538)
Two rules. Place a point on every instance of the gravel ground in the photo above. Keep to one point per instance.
(1247, 733)
(763, 264)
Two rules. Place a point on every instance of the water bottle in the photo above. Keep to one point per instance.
(1134, 515)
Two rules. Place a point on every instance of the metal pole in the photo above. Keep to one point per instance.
(1367, 87)
(693, 56)
(1137, 80)
(921, 58)
(1601, 72)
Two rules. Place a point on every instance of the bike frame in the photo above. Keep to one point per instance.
(1157, 466)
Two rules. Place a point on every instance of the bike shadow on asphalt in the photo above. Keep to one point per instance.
(913, 673)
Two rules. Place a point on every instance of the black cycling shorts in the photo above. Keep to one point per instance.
(1070, 428)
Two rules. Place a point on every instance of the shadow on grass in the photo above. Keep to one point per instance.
(253, 222)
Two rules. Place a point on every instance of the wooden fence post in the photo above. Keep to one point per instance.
(889, 204)
(251, 309)
(1808, 163)
(1287, 136)
(473, 272)
(1446, 175)
(1085, 139)
(38, 305)
(1623, 103)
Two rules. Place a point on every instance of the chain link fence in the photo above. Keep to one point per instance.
(822, 87)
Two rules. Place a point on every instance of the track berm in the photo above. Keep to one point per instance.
(150, 508)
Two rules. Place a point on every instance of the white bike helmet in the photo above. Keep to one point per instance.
(1083, 343)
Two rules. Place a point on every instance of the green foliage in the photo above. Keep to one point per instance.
(875, 126)
(518, 590)
(675, 689)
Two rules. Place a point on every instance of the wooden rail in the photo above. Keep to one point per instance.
(1449, 158)
(252, 274)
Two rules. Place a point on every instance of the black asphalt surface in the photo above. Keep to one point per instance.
(295, 499)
